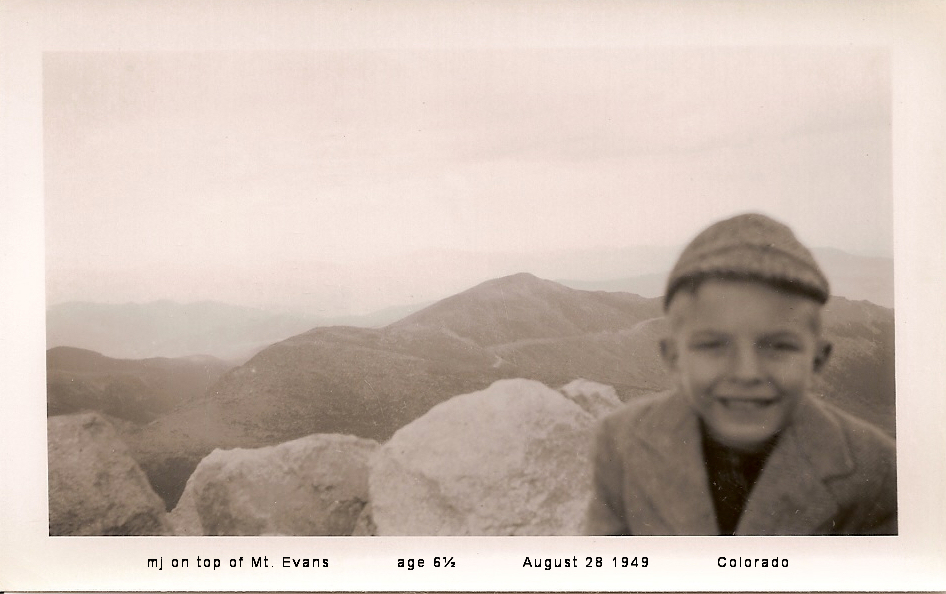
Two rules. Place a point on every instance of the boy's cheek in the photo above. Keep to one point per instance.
(797, 374)
(697, 374)
(696, 389)
(699, 371)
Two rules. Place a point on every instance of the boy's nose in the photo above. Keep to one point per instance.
(745, 364)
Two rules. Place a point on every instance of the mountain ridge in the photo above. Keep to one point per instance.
(133, 390)
(370, 382)
(237, 332)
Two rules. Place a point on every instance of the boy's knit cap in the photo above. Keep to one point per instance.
(754, 247)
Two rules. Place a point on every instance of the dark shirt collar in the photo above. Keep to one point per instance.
(731, 475)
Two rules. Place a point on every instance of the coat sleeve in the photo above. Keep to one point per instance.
(871, 492)
(605, 515)
(881, 516)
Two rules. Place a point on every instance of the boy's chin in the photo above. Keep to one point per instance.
(742, 437)
(744, 443)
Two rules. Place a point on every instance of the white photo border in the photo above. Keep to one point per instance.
(912, 31)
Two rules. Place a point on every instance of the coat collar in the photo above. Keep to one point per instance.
(674, 474)
(790, 496)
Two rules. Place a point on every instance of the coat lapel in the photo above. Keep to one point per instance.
(791, 496)
(674, 480)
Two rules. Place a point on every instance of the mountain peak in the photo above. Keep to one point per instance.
(521, 281)
(519, 277)
(524, 306)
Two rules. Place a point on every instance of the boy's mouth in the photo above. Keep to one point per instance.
(735, 403)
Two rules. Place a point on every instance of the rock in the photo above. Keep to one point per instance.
(313, 486)
(95, 487)
(593, 398)
(512, 459)
(184, 517)
(364, 525)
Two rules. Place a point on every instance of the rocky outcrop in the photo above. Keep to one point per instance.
(364, 525)
(95, 487)
(184, 518)
(510, 460)
(596, 399)
(313, 486)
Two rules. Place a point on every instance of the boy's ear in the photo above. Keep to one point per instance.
(668, 352)
(822, 354)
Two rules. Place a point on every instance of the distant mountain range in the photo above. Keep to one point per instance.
(370, 382)
(133, 390)
(234, 333)
(170, 329)
(853, 277)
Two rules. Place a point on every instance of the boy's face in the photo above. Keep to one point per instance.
(744, 354)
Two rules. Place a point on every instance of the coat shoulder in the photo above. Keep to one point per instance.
(638, 410)
(866, 443)
(866, 483)
(639, 418)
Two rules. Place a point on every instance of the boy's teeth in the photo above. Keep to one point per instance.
(745, 404)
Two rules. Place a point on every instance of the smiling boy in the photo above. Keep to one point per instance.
(739, 445)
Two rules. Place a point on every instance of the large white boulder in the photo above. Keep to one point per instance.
(512, 459)
(95, 487)
(313, 486)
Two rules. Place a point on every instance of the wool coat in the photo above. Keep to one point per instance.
(829, 473)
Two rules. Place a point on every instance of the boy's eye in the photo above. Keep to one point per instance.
(710, 344)
(782, 346)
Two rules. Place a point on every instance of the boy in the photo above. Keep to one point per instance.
(739, 446)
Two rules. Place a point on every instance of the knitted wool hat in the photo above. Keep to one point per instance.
(750, 246)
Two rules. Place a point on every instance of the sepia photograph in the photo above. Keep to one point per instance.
(366, 292)
(396, 287)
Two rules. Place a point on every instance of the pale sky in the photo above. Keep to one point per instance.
(314, 179)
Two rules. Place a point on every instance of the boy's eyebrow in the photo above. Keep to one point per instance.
(777, 334)
(708, 332)
(793, 334)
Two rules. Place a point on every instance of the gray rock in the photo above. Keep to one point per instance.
(313, 486)
(184, 517)
(510, 460)
(95, 487)
(364, 526)
(594, 398)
